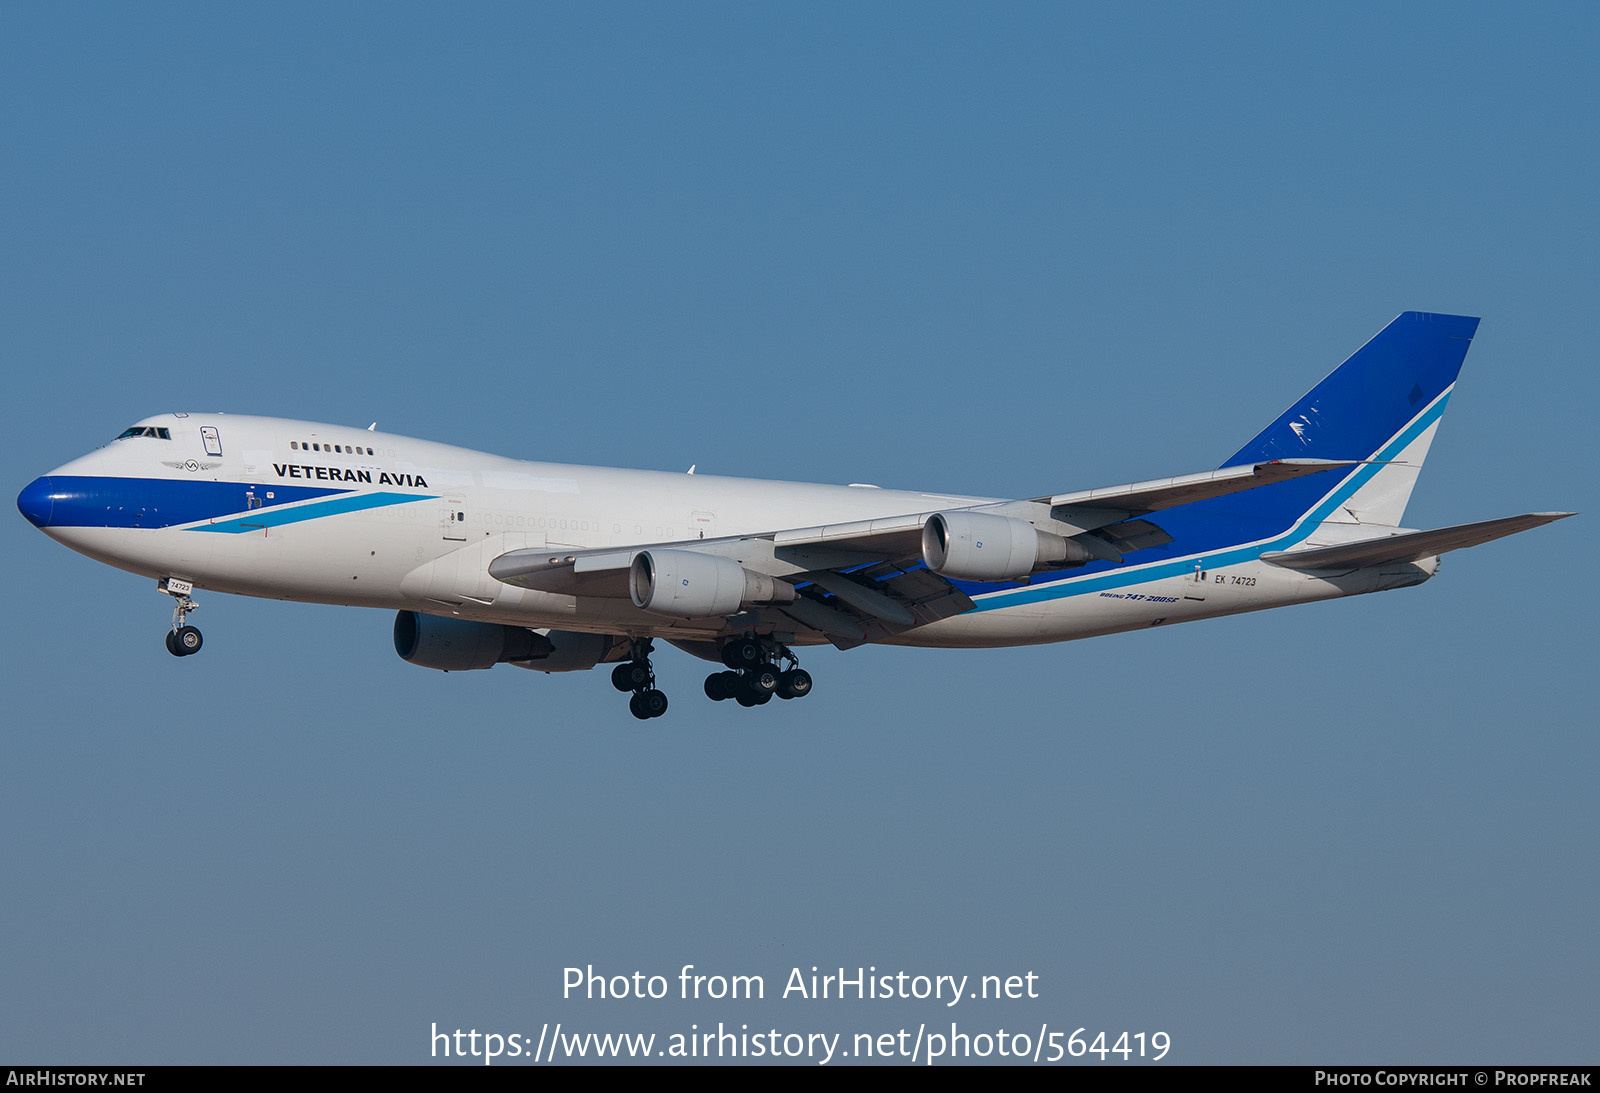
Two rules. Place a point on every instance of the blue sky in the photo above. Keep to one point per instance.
(1004, 250)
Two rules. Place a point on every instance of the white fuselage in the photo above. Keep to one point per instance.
(413, 525)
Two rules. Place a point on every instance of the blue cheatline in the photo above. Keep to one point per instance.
(257, 519)
(110, 502)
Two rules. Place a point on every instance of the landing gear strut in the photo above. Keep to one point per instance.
(637, 675)
(182, 640)
(754, 676)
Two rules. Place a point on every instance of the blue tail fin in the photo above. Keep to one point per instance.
(1378, 409)
(1370, 398)
(1382, 404)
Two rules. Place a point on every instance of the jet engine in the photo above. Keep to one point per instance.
(978, 546)
(457, 645)
(686, 584)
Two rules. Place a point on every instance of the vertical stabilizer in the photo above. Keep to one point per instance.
(1383, 403)
(1382, 498)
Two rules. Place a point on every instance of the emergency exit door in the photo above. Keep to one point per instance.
(455, 520)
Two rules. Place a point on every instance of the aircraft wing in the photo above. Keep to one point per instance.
(1112, 503)
(863, 580)
(1408, 546)
(855, 582)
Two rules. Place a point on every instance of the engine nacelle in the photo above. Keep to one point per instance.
(980, 546)
(687, 584)
(457, 645)
(569, 651)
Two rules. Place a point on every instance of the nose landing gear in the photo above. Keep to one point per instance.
(182, 640)
(754, 676)
(636, 674)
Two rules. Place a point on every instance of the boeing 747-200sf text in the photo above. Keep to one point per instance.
(561, 568)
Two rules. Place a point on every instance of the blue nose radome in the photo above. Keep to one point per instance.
(36, 503)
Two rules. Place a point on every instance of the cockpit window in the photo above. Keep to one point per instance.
(146, 430)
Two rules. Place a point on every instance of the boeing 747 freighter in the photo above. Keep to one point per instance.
(557, 568)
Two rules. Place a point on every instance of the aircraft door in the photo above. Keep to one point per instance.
(455, 520)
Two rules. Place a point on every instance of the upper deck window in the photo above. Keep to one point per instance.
(146, 430)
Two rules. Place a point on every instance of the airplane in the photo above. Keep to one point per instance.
(557, 568)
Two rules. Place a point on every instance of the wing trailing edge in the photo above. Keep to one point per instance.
(1138, 498)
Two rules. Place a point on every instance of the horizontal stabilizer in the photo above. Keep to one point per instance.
(1408, 546)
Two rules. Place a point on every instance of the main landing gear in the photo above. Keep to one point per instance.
(753, 675)
(637, 675)
(182, 640)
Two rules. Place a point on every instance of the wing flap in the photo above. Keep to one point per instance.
(1409, 546)
(1129, 536)
(864, 598)
(929, 596)
(836, 626)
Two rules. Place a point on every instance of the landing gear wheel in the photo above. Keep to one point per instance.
(749, 694)
(721, 685)
(648, 704)
(762, 680)
(756, 674)
(795, 683)
(637, 675)
(631, 675)
(182, 640)
(742, 653)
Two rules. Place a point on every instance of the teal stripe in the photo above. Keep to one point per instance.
(271, 518)
(1082, 586)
